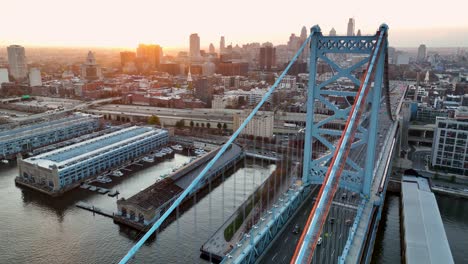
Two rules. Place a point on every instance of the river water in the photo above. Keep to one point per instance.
(36, 228)
(454, 213)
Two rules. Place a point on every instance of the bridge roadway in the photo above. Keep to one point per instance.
(336, 235)
(361, 246)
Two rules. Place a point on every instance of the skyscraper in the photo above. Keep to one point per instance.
(293, 43)
(212, 48)
(3, 75)
(151, 53)
(422, 52)
(127, 57)
(267, 57)
(222, 45)
(333, 32)
(350, 27)
(90, 70)
(194, 45)
(17, 62)
(303, 34)
(35, 77)
(358, 33)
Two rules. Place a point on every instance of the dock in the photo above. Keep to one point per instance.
(113, 193)
(144, 208)
(262, 156)
(94, 209)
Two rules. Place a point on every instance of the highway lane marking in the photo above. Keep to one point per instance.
(284, 258)
(286, 239)
(273, 258)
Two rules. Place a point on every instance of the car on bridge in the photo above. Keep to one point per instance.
(296, 229)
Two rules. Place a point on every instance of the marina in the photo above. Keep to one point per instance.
(144, 208)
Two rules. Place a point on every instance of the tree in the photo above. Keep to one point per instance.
(219, 126)
(224, 126)
(241, 101)
(208, 125)
(154, 120)
(192, 124)
(180, 124)
(452, 178)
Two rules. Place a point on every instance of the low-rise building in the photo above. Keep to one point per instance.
(62, 169)
(261, 124)
(450, 145)
(24, 139)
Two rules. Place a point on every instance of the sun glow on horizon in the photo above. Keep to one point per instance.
(124, 24)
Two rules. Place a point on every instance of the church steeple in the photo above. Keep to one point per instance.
(189, 80)
(189, 76)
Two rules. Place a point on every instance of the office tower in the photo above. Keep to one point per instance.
(151, 54)
(332, 32)
(350, 27)
(127, 57)
(303, 34)
(222, 45)
(17, 62)
(3, 75)
(293, 43)
(358, 33)
(90, 70)
(194, 45)
(35, 77)
(422, 50)
(204, 91)
(267, 57)
(211, 48)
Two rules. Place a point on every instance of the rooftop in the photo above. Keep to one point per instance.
(166, 189)
(92, 147)
(156, 195)
(46, 125)
(425, 238)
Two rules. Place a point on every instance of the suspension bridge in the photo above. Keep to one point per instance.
(326, 192)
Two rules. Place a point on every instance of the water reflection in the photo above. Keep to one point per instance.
(40, 229)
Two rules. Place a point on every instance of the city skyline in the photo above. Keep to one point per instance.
(124, 28)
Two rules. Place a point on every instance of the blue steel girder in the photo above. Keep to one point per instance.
(346, 44)
(337, 169)
(357, 176)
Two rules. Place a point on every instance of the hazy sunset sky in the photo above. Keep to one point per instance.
(124, 23)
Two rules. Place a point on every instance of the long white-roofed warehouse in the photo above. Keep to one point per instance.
(23, 139)
(62, 169)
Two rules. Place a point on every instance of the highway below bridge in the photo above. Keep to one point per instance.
(169, 116)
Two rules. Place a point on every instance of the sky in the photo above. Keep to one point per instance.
(125, 23)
